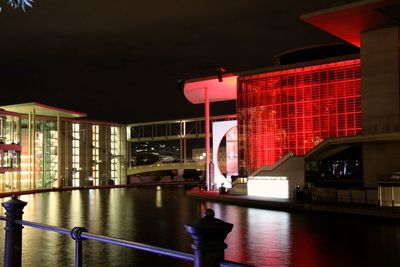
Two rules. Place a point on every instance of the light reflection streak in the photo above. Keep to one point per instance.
(159, 203)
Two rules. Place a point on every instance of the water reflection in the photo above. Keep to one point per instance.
(273, 226)
(156, 217)
(159, 197)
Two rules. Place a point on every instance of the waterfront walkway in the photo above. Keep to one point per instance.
(392, 213)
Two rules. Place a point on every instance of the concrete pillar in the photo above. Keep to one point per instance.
(380, 80)
(379, 161)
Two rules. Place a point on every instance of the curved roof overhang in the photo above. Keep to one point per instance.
(43, 110)
(4, 113)
(194, 90)
(348, 21)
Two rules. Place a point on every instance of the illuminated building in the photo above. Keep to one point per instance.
(10, 149)
(294, 110)
(330, 124)
(47, 147)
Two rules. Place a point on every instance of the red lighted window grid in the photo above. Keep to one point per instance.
(296, 109)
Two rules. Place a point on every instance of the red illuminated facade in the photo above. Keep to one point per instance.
(294, 110)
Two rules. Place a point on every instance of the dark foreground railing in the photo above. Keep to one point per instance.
(208, 234)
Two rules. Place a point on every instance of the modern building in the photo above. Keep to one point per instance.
(48, 147)
(323, 119)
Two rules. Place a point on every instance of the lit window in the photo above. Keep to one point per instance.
(95, 154)
(75, 154)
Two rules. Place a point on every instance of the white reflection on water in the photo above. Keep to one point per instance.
(270, 236)
(159, 203)
(76, 208)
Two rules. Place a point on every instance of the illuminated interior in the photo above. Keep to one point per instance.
(47, 147)
(95, 154)
(10, 151)
(46, 142)
(114, 154)
(75, 154)
(294, 110)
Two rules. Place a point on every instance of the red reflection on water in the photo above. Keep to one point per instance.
(257, 234)
(304, 252)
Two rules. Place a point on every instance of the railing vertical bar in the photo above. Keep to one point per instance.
(78, 253)
(76, 234)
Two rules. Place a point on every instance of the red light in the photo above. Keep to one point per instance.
(294, 110)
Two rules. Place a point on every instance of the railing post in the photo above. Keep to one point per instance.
(76, 233)
(13, 240)
(208, 234)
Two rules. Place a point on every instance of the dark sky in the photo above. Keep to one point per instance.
(119, 60)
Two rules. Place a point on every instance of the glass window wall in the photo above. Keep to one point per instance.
(294, 110)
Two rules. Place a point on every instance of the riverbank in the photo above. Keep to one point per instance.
(296, 206)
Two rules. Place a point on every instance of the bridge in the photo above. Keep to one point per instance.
(180, 130)
(165, 167)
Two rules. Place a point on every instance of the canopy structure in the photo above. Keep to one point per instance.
(217, 91)
(348, 21)
(43, 110)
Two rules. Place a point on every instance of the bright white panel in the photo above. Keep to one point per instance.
(268, 186)
(219, 129)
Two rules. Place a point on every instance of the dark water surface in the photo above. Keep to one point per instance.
(156, 217)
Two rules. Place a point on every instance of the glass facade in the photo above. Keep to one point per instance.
(46, 142)
(342, 170)
(43, 151)
(10, 151)
(95, 154)
(294, 110)
(75, 154)
(115, 152)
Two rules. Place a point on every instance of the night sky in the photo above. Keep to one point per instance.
(119, 60)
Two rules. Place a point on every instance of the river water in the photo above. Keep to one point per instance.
(156, 217)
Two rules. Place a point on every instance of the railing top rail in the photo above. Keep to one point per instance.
(43, 226)
(110, 240)
(140, 246)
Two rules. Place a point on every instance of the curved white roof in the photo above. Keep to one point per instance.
(217, 91)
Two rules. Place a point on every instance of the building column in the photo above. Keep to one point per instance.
(33, 132)
(380, 80)
(59, 182)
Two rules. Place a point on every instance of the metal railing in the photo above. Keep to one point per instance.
(208, 234)
(165, 166)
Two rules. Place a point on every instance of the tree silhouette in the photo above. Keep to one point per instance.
(23, 4)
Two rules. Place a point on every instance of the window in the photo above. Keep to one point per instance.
(114, 154)
(95, 154)
(75, 154)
